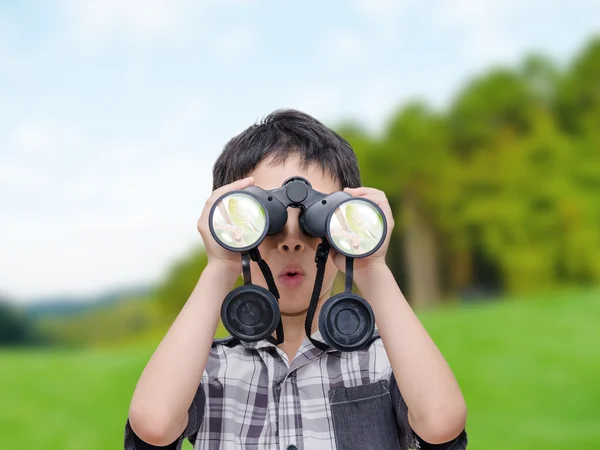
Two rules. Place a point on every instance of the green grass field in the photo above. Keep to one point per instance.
(529, 369)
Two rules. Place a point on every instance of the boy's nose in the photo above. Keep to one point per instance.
(291, 235)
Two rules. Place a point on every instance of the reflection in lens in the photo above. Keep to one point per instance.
(239, 221)
(356, 227)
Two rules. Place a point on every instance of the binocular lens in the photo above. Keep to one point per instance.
(239, 221)
(250, 313)
(356, 228)
(346, 321)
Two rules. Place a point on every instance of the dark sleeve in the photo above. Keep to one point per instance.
(195, 415)
(458, 443)
(412, 440)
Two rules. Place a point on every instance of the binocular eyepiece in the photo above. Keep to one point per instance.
(356, 227)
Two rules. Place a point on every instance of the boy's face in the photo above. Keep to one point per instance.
(291, 249)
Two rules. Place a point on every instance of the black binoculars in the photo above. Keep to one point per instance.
(355, 226)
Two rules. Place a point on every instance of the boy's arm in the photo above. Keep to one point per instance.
(158, 413)
(436, 408)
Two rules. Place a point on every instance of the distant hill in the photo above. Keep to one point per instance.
(72, 305)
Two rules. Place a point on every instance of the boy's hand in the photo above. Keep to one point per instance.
(363, 265)
(230, 260)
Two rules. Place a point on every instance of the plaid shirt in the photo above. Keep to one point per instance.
(252, 397)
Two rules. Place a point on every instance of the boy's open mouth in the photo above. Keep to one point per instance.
(291, 276)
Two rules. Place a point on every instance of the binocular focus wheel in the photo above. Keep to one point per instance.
(346, 321)
(250, 313)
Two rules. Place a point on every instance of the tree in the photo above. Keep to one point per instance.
(15, 327)
(497, 104)
(578, 99)
(406, 163)
(180, 281)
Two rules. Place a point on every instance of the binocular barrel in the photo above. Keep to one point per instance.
(240, 220)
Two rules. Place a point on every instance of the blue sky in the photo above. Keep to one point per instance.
(112, 112)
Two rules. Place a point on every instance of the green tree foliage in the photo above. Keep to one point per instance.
(504, 182)
(110, 324)
(491, 107)
(407, 162)
(180, 281)
(16, 328)
(528, 197)
(578, 99)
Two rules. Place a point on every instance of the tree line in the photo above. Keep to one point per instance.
(501, 191)
(498, 193)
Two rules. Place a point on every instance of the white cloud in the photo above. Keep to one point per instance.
(94, 23)
(344, 45)
(80, 189)
(86, 213)
(482, 24)
(108, 228)
(6, 28)
(382, 10)
(379, 97)
(319, 100)
(137, 20)
(184, 115)
(35, 137)
(90, 251)
(14, 175)
(236, 3)
(237, 43)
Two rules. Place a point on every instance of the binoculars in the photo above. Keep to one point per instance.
(354, 226)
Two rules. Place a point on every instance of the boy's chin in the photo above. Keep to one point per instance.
(293, 312)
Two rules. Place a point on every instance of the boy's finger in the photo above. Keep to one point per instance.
(356, 192)
(376, 196)
(366, 194)
(363, 191)
(236, 185)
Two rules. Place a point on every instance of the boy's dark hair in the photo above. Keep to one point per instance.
(281, 134)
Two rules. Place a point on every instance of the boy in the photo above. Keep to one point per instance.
(397, 393)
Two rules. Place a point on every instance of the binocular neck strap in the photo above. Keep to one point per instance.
(266, 271)
(321, 260)
(349, 274)
(246, 268)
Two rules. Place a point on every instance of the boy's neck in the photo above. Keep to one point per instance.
(293, 327)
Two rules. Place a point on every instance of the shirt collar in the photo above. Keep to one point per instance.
(263, 343)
